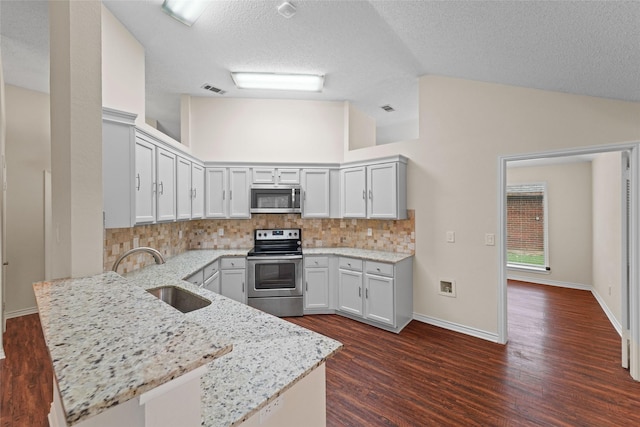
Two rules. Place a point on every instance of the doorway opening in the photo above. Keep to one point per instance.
(626, 190)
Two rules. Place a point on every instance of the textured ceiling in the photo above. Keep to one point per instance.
(371, 52)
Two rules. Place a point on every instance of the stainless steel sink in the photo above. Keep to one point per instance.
(179, 298)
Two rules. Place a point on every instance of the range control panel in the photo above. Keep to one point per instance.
(278, 234)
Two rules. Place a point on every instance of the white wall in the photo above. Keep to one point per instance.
(3, 127)
(28, 151)
(570, 221)
(259, 130)
(607, 231)
(453, 178)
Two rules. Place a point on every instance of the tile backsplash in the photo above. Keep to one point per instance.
(177, 237)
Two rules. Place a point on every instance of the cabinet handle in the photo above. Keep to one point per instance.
(370, 194)
(243, 287)
(138, 185)
(194, 192)
(359, 291)
(161, 188)
(366, 293)
(223, 193)
(364, 194)
(230, 194)
(306, 286)
(377, 268)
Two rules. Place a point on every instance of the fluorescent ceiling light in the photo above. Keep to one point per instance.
(185, 11)
(304, 82)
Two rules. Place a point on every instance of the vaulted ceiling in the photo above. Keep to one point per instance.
(371, 52)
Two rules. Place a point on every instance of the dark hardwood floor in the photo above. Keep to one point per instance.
(26, 385)
(561, 367)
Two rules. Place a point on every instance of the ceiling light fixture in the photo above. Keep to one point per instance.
(303, 82)
(185, 11)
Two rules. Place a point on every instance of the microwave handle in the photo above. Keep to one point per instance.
(293, 197)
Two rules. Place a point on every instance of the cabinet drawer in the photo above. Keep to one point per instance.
(211, 269)
(351, 264)
(235, 262)
(380, 268)
(316, 261)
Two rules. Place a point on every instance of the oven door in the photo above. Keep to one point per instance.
(274, 276)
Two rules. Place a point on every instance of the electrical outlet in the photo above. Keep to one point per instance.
(490, 239)
(179, 234)
(451, 236)
(220, 231)
(369, 232)
(136, 242)
(270, 409)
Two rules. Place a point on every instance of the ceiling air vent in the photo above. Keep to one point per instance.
(213, 89)
(388, 108)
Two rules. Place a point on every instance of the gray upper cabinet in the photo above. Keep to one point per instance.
(315, 193)
(184, 189)
(197, 192)
(278, 176)
(376, 190)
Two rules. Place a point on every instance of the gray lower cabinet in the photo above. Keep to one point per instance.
(316, 285)
(233, 278)
(377, 293)
(212, 277)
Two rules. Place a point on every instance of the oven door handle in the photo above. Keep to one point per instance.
(273, 257)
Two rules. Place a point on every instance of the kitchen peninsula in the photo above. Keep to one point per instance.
(111, 342)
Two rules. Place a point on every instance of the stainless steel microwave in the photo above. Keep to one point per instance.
(275, 199)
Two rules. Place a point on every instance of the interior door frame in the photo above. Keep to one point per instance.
(633, 148)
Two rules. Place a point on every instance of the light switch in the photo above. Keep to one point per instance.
(369, 232)
(490, 239)
(220, 231)
(451, 236)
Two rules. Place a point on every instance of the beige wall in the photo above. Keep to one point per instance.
(569, 222)
(362, 130)
(259, 130)
(28, 156)
(123, 79)
(464, 127)
(607, 243)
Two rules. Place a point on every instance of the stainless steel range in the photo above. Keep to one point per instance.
(274, 273)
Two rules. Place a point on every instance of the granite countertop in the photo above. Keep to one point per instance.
(110, 341)
(381, 256)
(269, 354)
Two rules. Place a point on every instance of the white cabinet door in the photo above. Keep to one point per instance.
(145, 182)
(288, 176)
(197, 192)
(183, 188)
(382, 201)
(379, 299)
(232, 284)
(216, 187)
(316, 291)
(353, 183)
(350, 291)
(316, 193)
(239, 184)
(264, 175)
(166, 185)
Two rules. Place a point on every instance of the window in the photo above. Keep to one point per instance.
(527, 226)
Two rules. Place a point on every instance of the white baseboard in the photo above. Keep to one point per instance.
(608, 312)
(557, 283)
(23, 312)
(488, 336)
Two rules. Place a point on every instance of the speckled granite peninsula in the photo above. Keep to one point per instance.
(110, 341)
